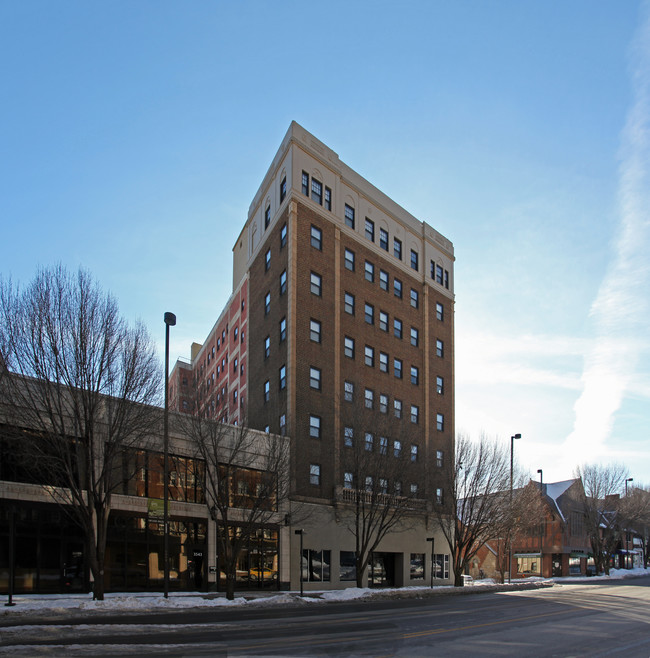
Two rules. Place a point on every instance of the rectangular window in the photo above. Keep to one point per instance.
(383, 446)
(383, 239)
(348, 480)
(316, 238)
(383, 361)
(348, 436)
(383, 280)
(440, 348)
(267, 347)
(314, 474)
(368, 483)
(440, 385)
(439, 496)
(369, 397)
(414, 489)
(439, 273)
(305, 183)
(317, 191)
(267, 303)
(283, 189)
(397, 449)
(439, 311)
(349, 216)
(440, 422)
(370, 272)
(415, 414)
(414, 298)
(283, 282)
(397, 288)
(397, 407)
(314, 331)
(417, 566)
(267, 217)
(414, 453)
(415, 337)
(328, 199)
(369, 441)
(314, 378)
(440, 458)
(283, 329)
(447, 279)
(316, 284)
(369, 353)
(283, 236)
(383, 320)
(283, 377)
(267, 260)
(441, 566)
(397, 248)
(267, 390)
(347, 566)
(383, 403)
(397, 368)
(314, 426)
(370, 230)
(415, 375)
(283, 425)
(348, 391)
(349, 303)
(348, 347)
(369, 313)
(397, 328)
(397, 487)
(414, 260)
(349, 260)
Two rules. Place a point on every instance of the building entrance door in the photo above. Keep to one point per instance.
(557, 565)
(74, 571)
(381, 570)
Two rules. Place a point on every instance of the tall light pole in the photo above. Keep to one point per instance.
(433, 541)
(170, 321)
(300, 532)
(542, 524)
(512, 463)
(626, 481)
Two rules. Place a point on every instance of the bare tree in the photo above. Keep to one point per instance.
(245, 477)
(81, 383)
(635, 515)
(602, 487)
(477, 485)
(375, 501)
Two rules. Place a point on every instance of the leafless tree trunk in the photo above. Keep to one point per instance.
(602, 487)
(81, 382)
(376, 498)
(477, 483)
(245, 478)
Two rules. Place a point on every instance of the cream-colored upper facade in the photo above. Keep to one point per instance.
(301, 151)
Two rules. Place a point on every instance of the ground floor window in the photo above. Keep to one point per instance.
(574, 566)
(417, 566)
(441, 566)
(315, 566)
(528, 564)
(347, 566)
(257, 564)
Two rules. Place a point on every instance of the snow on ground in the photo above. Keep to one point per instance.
(148, 601)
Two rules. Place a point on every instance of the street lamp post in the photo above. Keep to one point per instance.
(300, 532)
(512, 450)
(626, 481)
(542, 524)
(432, 540)
(627, 534)
(170, 321)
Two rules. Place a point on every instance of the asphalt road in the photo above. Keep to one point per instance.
(599, 619)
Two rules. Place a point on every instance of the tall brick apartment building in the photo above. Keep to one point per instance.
(342, 308)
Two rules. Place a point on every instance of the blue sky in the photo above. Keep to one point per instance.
(133, 136)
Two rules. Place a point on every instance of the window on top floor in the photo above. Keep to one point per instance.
(328, 199)
(370, 230)
(283, 189)
(267, 217)
(349, 216)
(414, 260)
(317, 191)
(305, 183)
(383, 239)
(397, 248)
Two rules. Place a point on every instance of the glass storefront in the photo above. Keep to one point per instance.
(257, 566)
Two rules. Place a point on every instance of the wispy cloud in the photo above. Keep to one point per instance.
(619, 312)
